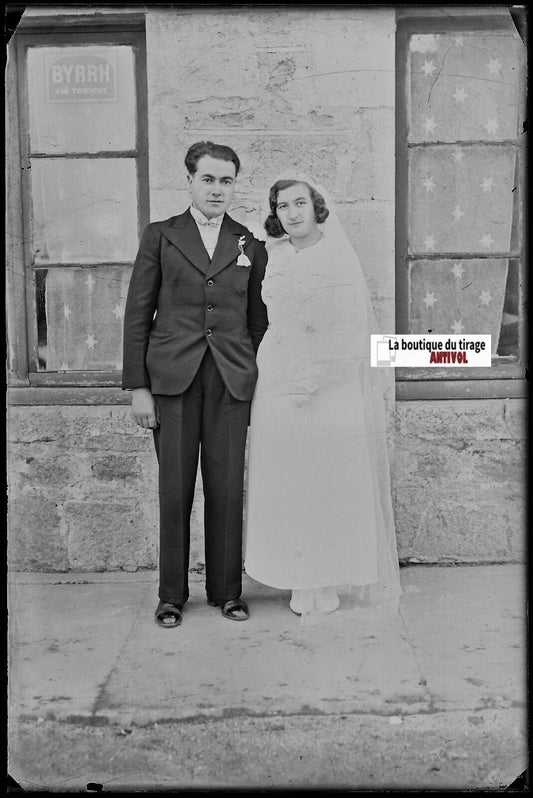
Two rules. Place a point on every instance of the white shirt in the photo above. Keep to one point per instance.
(209, 229)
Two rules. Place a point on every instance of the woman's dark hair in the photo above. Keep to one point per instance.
(273, 225)
(201, 148)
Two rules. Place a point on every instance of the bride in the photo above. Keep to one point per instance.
(319, 511)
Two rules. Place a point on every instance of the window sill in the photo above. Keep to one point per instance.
(413, 390)
(67, 395)
(418, 390)
(504, 380)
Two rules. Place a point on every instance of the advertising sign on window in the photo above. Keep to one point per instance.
(85, 76)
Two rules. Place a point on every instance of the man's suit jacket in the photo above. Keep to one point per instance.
(179, 303)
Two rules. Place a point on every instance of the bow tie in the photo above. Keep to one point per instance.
(208, 222)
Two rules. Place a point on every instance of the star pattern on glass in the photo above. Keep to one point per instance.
(429, 243)
(428, 67)
(91, 341)
(457, 327)
(66, 311)
(486, 241)
(469, 212)
(494, 66)
(458, 270)
(460, 95)
(457, 213)
(90, 282)
(487, 184)
(491, 126)
(118, 311)
(429, 124)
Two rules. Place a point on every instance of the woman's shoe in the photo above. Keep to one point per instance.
(323, 599)
(302, 601)
(327, 600)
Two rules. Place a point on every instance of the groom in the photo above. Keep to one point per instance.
(193, 322)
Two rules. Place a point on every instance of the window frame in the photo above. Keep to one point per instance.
(507, 379)
(124, 30)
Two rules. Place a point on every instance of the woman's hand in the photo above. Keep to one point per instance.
(144, 409)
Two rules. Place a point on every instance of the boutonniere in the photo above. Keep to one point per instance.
(242, 260)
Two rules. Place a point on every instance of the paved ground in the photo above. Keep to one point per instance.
(434, 698)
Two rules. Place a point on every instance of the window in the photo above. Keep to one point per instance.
(460, 156)
(85, 197)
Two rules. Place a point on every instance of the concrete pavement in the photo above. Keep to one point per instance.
(432, 698)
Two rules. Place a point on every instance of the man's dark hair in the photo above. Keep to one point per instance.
(273, 225)
(201, 148)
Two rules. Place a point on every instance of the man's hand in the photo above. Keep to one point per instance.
(144, 409)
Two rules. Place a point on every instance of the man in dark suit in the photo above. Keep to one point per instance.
(193, 322)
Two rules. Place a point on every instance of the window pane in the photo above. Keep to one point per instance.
(464, 87)
(508, 343)
(461, 199)
(84, 210)
(82, 99)
(476, 297)
(79, 318)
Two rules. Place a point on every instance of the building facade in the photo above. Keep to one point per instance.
(412, 117)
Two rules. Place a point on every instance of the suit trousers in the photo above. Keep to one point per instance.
(206, 418)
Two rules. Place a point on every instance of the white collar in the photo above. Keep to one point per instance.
(199, 218)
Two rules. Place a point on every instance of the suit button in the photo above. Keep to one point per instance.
(209, 332)
(210, 308)
(210, 283)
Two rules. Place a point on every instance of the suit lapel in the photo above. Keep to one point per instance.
(227, 249)
(184, 234)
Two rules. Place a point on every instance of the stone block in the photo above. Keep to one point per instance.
(472, 419)
(458, 462)
(339, 160)
(67, 459)
(291, 69)
(77, 428)
(43, 470)
(459, 480)
(36, 534)
(35, 425)
(115, 467)
(497, 462)
(109, 536)
(469, 525)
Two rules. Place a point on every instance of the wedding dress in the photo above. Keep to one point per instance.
(318, 499)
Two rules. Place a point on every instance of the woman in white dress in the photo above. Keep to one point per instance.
(319, 512)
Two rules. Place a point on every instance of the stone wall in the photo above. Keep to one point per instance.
(311, 89)
(459, 480)
(83, 487)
